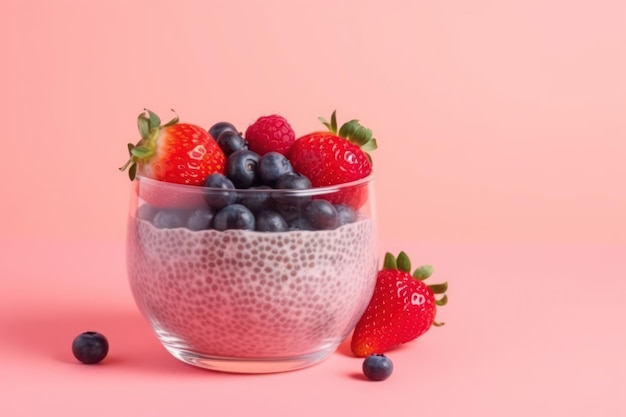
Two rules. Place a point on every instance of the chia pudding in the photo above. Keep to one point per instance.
(250, 294)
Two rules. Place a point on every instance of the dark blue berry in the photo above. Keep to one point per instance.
(256, 201)
(300, 223)
(90, 347)
(147, 212)
(321, 214)
(241, 168)
(234, 216)
(272, 166)
(200, 219)
(169, 219)
(377, 367)
(218, 128)
(230, 141)
(217, 198)
(270, 221)
(345, 214)
(292, 182)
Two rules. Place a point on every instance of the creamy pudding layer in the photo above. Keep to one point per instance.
(250, 294)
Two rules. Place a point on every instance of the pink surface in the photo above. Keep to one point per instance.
(531, 330)
(501, 161)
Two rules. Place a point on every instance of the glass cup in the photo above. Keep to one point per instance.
(227, 292)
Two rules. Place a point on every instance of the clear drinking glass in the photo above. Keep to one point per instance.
(248, 301)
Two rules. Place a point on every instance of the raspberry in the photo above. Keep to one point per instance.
(270, 134)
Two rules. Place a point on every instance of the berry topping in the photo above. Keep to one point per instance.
(377, 367)
(270, 133)
(402, 307)
(169, 219)
(256, 201)
(234, 216)
(175, 152)
(345, 214)
(215, 198)
(241, 168)
(335, 157)
(230, 142)
(321, 214)
(200, 219)
(90, 347)
(272, 166)
(220, 127)
(270, 221)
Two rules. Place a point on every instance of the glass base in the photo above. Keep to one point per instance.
(248, 365)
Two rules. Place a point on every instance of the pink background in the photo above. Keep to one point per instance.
(501, 160)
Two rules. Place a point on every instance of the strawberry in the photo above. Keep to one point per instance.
(270, 134)
(335, 157)
(402, 307)
(180, 153)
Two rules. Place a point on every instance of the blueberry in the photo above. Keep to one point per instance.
(270, 221)
(272, 166)
(200, 219)
(292, 182)
(147, 212)
(377, 367)
(90, 347)
(234, 216)
(256, 201)
(321, 214)
(300, 223)
(219, 199)
(169, 219)
(231, 141)
(345, 214)
(241, 168)
(218, 128)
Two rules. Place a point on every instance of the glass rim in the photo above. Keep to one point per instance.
(186, 188)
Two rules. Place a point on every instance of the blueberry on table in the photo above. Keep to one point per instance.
(220, 127)
(218, 198)
(169, 219)
(272, 166)
(241, 168)
(200, 219)
(377, 367)
(270, 221)
(322, 214)
(230, 142)
(234, 216)
(90, 347)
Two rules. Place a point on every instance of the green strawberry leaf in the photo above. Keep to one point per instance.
(439, 288)
(155, 121)
(403, 262)
(132, 171)
(423, 272)
(143, 123)
(140, 152)
(173, 121)
(390, 262)
(443, 301)
(130, 148)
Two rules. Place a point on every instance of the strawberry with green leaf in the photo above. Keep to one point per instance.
(175, 152)
(336, 156)
(402, 308)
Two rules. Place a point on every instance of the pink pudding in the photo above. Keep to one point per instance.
(252, 295)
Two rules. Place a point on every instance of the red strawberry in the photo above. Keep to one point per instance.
(335, 157)
(180, 153)
(270, 134)
(402, 308)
